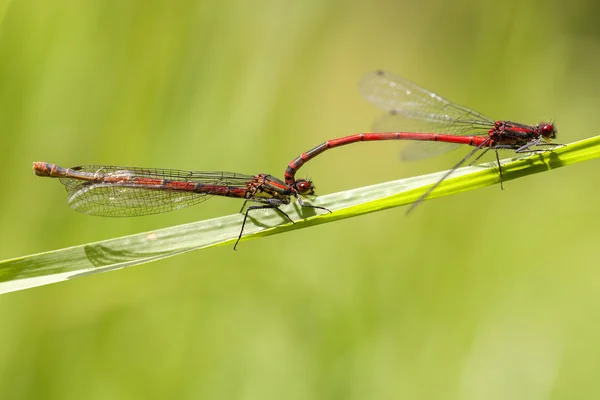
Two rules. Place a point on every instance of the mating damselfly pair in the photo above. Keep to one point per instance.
(116, 191)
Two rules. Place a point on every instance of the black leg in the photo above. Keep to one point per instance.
(246, 217)
(243, 205)
(262, 207)
(499, 168)
(446, 175)
(552, 145)
(284, 214)
(539, 143)
(479, 156)
(305, 205)
(525, 148)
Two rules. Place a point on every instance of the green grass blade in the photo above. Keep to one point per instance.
(59, 265)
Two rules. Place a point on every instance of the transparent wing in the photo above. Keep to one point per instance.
(131, 191)
(121, 201)
(402, 98)
(394, 122)
(412, 108)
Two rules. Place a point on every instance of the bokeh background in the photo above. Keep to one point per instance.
(483, 295)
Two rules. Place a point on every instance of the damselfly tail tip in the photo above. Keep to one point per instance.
(41, 168)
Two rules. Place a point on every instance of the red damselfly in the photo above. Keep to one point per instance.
(113, 191)
(440, 121)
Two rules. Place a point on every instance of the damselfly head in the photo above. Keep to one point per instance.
(305, 187)
(547, 130)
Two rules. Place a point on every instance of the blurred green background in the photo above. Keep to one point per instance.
(483, 295)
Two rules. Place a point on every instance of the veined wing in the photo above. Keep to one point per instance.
(131, 191)
(401, 97)
(412, 108)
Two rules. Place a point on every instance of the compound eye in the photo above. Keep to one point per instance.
(548, 131)
(304, 187)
